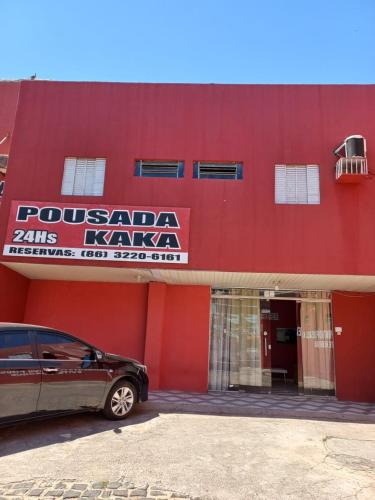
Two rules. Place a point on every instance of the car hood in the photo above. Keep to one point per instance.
(115, 357)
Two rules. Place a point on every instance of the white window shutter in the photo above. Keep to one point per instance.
(313, 184)
(89, 177)
(80, 176)
(280, 184)
(301, 185)
(98, 185)
(83, 176)
(69, 174)
(297, 184)
(291, 185)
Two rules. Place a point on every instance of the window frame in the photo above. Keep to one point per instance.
(3, 168)
(180, 168)
(65, 177)
(311, 186)
(31, 342)
(62, 335)
(3, 171)
(237, 164)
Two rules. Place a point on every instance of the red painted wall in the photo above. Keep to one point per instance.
(355, 347)
(13, 295)
(185, 343)
(154, 331)
(8, 106)
(112, 316)
(235, 225)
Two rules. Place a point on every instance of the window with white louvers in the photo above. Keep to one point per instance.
(297, 184)
(83, 176)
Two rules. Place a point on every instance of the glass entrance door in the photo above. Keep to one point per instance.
(245, 328)
(240, 354)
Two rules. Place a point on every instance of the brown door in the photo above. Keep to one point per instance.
(354, 324)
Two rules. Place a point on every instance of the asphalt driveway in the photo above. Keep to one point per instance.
(201, 455)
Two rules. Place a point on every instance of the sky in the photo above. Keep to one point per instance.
(198, 41)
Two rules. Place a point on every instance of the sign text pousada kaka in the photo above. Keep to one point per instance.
(159, 233)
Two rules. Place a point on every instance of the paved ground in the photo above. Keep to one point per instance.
(282, 404)
(112, 490)
(188, 451)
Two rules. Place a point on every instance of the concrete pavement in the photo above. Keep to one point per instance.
(200, 455)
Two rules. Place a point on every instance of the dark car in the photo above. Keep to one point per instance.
(46, 372)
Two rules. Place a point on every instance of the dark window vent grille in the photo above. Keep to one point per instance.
(217, 170)
(174, 169)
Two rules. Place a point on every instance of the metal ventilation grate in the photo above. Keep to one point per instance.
(146, 168)
(217, 170)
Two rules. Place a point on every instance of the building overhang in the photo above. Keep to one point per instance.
(215, 279)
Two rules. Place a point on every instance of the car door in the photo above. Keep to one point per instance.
(20, 374)
(72, 377)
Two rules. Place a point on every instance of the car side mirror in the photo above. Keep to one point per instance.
(99, 355)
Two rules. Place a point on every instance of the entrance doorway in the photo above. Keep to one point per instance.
(283, 327)
(278, 343)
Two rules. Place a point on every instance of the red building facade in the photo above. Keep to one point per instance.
(261, 221)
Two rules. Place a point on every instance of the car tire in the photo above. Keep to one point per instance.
(121, 401)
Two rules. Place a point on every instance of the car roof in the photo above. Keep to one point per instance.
(23, 326)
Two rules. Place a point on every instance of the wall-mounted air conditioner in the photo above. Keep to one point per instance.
(351, 166)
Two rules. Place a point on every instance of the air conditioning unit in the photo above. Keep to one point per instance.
(351, 167)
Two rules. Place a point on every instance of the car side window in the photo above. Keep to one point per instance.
(61, 348)
(15, 345)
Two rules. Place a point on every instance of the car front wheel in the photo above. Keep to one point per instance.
(121, 401)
